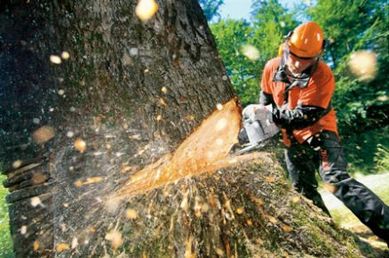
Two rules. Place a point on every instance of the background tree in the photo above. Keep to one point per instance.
(211, 8)
(362, 104)
(264, 31)
(231, 37)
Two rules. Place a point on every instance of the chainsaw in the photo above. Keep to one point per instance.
(258, 128)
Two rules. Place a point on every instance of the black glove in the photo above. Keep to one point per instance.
(281, 116)
(298, 118)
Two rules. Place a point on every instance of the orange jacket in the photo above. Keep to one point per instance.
(318, 93)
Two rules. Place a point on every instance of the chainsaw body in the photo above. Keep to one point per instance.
(258, 128)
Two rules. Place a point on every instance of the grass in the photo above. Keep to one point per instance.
(5, 237)
(367, 152)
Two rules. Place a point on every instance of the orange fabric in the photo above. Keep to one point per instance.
(285, 138)
(319, 92)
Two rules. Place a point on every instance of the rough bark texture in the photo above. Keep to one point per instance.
(132, 91)
(127, 86)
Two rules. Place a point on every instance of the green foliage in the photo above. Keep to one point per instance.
(5, 238)
(270, 22)
(381, 158)
(366, 151)
(352, 26)
(265, 31)
(349, 26)
(272, 12)
(230, 36)
(211, 8)
(342, 23)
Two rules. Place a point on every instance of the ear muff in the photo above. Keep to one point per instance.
(289, 35)
(323, 47)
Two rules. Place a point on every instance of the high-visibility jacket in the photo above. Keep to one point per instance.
(317, 93)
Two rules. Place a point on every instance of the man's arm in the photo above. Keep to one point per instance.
(298, 118)
(266, 99)
(265, 95)
(314, 102)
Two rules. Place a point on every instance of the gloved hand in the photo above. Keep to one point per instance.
(276, 116)
(280, 116)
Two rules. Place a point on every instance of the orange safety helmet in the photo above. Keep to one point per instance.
(306, 40)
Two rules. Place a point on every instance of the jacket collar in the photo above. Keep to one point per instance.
(282, 74)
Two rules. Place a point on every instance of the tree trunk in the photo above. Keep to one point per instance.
(91, 95)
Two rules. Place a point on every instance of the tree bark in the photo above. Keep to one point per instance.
(127, 85)
(73, 130)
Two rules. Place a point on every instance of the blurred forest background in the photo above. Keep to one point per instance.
(357, 51)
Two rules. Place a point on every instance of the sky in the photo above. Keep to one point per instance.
(237, 9)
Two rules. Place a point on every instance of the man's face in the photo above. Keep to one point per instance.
(296, 65)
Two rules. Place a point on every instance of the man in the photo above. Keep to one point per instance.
(300, 87)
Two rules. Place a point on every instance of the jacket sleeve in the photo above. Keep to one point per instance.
(266, 99)
(299, 117)
(266, 96)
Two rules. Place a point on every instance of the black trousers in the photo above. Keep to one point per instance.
(324, 152)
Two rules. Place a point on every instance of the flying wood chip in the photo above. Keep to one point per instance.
(219, 252)
(88, 181)
(286, 228)
(35, 201)
(23, 230)
(272, 219)
(17, 164)
(250, 52)
(55, 59)
(80, 145)
(62, 247)
(270, 179)
(93, 180)
(36, 245)
(146, 9)
(74, 242)
(363, 64)
(43, 134)
(65, 55)
(203, 151)
(240, 210)
(115, 237)
(131, 214)
(188, 248)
